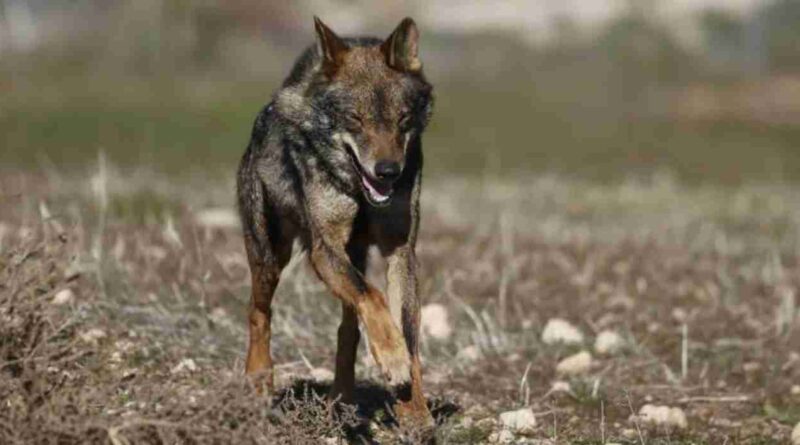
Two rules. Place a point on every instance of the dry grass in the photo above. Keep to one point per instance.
(701, 283)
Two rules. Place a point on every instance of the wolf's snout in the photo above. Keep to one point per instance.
(387, 171)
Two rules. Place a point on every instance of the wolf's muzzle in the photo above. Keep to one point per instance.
(387, 171)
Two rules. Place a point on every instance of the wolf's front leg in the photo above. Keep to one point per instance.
(402, 288)
(386, 342)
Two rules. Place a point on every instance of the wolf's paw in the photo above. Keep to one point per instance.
(390, 352)
(395, 364)
(414, 414)
(386, 341)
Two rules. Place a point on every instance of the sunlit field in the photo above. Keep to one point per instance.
(609, 248)
(124, 298)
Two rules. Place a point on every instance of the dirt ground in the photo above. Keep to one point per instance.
(123, 299)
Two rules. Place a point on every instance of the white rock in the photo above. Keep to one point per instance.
(469, 354)
(186, 364)
(116, 358)
(322, 374)
(658, 415)
(217, 218)
(220, 316)
(124, 346)
(796, 434)
(608, 342)
(502, 436)
(575, 364)
(92, 335)
(560, 386)
(678, 418)
(435, 321)
(521, 420)
(62, 297)
(558, 330)
(629, 433)
(680, 315)
(795, 390)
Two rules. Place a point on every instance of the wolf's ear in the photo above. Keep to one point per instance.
(400, 48)
(330, 47)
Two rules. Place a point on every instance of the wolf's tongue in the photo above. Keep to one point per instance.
(373, 192)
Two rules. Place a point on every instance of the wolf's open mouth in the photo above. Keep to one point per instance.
(377, 193)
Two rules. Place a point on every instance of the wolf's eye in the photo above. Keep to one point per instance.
(353, 122)
(405, 121)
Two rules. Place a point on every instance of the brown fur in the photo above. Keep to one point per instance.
(313, 172)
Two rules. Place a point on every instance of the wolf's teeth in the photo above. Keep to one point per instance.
(376, 195)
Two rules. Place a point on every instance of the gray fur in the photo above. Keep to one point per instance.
(304, 174)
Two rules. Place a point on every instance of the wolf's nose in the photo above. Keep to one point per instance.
(387, 170)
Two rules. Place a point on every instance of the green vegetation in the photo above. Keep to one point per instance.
(604, 107)
(478, 128)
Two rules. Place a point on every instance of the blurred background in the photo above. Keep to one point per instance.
(620, 169)
(706, 91)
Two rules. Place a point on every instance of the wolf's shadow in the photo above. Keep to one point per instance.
(372, 402)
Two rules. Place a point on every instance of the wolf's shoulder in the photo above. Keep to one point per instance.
(261, 124)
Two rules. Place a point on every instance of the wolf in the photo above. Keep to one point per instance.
(335, 162)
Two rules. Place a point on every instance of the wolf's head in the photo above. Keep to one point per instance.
(371, 98)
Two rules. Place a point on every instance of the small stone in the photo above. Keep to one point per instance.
(657, 415)
(751, 367)
(558, 330)
(435, 322)
(680, 315)
(486, 423)
(92, 335)
(217, 218)
(477, 411)
(469, 354)
(62, 297)
(629, 433)
(575, 364)
(521, 420)
(724, 423)
(560, 386)
(502, 436)
(124, 346)
(322, 374)
(185, 365)
(608, 342)
(795, 391)
(219, 315)
(796, 434)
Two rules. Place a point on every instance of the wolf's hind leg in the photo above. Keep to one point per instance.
(347, 344)
(386, 342)
(259, 358)
(267, 257)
